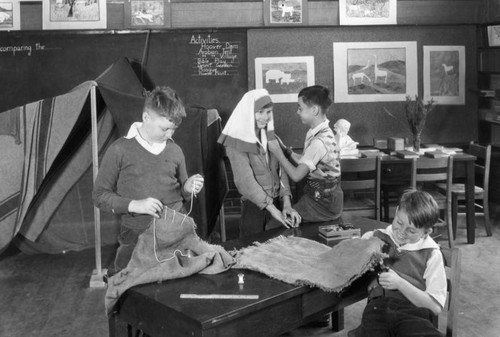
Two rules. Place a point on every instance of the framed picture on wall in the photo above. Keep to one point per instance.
(444, 74)
(367, 12)
(285, 12)
(74, 14)
(494, 36)
(10, 17)
(374, 71)
(146, 14)
(284, 77)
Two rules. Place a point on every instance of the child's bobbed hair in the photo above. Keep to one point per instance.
(420, 207)
(316, 95)
(165, 102)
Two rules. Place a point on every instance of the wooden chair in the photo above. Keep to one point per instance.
(482, 170)
(426, 172)
(361, 185)
(395, 179)
(452, 262)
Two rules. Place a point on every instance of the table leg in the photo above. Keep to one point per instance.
(117, 328)
(338, 320)
(469, 200)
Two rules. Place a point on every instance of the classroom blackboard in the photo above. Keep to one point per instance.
(206, 67)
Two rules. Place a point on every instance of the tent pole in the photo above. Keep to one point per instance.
(96, 280)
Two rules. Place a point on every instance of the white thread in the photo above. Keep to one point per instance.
(165, 210)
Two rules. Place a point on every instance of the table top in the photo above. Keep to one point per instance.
(165, 296)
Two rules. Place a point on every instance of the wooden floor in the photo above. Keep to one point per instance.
(48, 295)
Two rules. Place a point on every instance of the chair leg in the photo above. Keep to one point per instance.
(451, 240)
(386, 206)
(487, 222)
(454, 212)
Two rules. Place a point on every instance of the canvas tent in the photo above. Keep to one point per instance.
(46, 155)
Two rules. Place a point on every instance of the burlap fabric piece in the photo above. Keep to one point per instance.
(179, 253)
(297, 260)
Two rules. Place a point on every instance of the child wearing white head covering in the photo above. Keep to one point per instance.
(257, 173)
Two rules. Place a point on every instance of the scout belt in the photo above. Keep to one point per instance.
(322, 188)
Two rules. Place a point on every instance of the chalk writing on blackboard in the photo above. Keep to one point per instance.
(214, 57)
(24, 49)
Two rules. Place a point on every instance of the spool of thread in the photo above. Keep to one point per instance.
(241, 278)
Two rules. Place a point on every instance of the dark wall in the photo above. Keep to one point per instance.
(36, 65)
(446, 124)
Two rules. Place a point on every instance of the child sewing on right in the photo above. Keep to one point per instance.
(403, 299)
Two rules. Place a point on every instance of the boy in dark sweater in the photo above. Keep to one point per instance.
(145, 171)
(403, 299)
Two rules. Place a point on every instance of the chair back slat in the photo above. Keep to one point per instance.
(353, 185)
(431, 176)
(432, 163)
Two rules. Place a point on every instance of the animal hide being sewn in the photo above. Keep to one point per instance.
(297, 260)
(168, 249)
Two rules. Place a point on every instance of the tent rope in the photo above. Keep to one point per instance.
(173, 218)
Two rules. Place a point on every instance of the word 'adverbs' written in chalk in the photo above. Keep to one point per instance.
(214, 57)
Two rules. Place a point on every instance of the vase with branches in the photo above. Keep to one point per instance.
(416, 112)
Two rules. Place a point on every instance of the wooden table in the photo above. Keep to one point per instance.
(463, 165)
(157, 310)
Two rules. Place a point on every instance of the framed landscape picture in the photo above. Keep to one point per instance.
(374, 71)
(285, 12)
(367, 12)
(74, 14)
(284, 77)
(444, 74)
(146, 14)
(10, 17)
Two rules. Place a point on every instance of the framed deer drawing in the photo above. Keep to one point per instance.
(374, 71)
(285, 12)
(146, 14)
(444, 74)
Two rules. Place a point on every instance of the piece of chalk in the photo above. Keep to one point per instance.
(221, 296)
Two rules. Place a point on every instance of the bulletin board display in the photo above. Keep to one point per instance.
(446, 124)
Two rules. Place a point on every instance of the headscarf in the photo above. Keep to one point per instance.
(239, 132)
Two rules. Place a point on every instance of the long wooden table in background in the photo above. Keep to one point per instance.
(157, 310)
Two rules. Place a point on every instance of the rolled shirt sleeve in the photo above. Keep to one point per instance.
(313, 154)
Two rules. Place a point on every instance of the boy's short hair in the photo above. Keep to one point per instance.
(420, 207)
(165, 102)
(317, 95)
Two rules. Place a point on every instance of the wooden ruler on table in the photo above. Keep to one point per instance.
(220, 296)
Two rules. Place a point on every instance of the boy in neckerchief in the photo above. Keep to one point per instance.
(403, 299)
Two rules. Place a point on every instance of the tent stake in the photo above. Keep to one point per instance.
(96, 280)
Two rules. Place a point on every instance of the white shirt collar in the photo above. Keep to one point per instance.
(423, 243)
(133, 132)
(318, 128)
